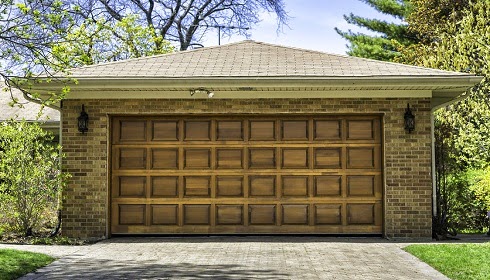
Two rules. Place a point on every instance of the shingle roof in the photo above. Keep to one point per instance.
(25, 109)
(252, 59)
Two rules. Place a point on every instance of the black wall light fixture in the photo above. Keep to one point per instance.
(83, 121)
(409, 119)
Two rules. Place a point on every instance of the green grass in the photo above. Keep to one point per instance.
(14, 263)
(456, 261)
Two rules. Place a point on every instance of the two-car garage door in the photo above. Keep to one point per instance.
(246, 174)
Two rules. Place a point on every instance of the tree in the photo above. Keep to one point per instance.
(385, 46)
(30, 176)
(183, 21)
(463, 146)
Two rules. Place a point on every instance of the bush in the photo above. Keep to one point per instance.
(30, 177)
(469, 199)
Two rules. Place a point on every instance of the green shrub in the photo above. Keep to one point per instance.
(30, 176)
(469, 199)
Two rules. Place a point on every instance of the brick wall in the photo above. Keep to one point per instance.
(407, 157)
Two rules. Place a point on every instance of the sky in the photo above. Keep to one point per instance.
(311, 25)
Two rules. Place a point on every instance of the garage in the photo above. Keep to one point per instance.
(246, 174)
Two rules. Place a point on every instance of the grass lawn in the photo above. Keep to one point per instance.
(456, 261)
(14, 263)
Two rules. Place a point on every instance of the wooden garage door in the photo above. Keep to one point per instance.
(246, 174)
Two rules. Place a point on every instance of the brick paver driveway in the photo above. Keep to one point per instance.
(232, 258)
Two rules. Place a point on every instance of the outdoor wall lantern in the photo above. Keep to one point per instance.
(83, 121)
(409, 119)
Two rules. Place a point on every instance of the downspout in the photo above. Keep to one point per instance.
(433, 147)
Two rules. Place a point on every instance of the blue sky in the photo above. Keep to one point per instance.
(311, 26)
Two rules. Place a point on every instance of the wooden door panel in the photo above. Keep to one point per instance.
(229, 130)
(130, 186)
(197, 130)
(328, 158)
(327, 130)
(132, 214)
(197, 186)
(164, 214)
(295, 186)
(262, 130)
(328, 214)
(196, 214)
(262, 214)
(229, 214)
(165, 130)
(246, 174)
(262, 186)
(164, 186)
(165, 158)
(328, 185)
(132, 158)
(295, 158)
(229, 158)
(132, 131)
(295, 130)
(294, 214)
(229, 186)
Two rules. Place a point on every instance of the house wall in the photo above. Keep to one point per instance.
(407, 157)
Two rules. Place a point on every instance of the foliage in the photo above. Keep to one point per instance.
(14, 263)
(384, 46)
(182, 21)
(456, 261)
(28, 30)
(96, 41)
(468, 199)
(31, 180)
(428, 17)
(463, 46)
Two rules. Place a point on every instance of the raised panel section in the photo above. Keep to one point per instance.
(130, 214)
(165, 130)
(132, 131)
(229, 158)
(231, 186)
(360, 157)
(295, 186)
(164, 214)
(132, 158)
(327, 158)
(197, 158)
(197, 186)
(327, 130)
(360, 130)
(328, 214)
(196, 214)
(164, 158)
(262, 130)
(229, 214)
(132, 186)
(360, 185)
(294, 130)
(295, 158)
(197, 130)
(328, 185)
(295, 214)
(262, 214)
(262, 158)
(165, 186)
(229, 130)
(360, 214)
(262, 185)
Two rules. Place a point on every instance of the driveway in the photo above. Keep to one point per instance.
(232, 258)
